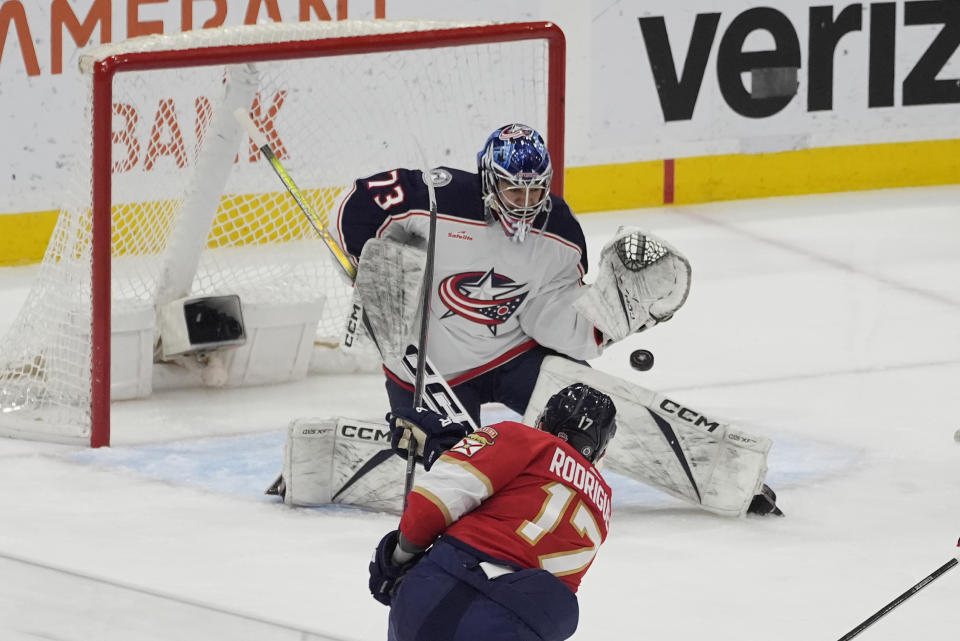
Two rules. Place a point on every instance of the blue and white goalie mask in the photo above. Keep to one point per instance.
(515, 171)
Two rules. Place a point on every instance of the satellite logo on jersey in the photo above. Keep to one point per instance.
(487, 298)
(473, 443)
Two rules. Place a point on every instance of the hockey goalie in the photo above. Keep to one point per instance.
(642, 280)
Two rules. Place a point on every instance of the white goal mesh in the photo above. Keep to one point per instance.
(193, 209)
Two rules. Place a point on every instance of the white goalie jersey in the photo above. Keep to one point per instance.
(493, 298)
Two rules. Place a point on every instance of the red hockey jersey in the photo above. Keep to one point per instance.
(517, 494)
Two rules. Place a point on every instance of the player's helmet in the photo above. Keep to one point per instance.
(515, 174)
(581, 416)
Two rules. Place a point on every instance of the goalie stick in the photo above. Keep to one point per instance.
(436, 392)
(924, 582)
(313, 218)
(426, 290)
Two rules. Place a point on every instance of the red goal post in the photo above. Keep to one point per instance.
(180, 211)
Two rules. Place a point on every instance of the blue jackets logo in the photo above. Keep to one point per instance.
(487, 298)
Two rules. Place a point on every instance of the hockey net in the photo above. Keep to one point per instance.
(174, 201)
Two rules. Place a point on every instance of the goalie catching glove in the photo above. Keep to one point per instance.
(642, 281)
(434, 434)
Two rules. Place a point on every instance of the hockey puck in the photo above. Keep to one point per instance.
(641, 360)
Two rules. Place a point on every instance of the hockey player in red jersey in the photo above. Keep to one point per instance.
(498, 534)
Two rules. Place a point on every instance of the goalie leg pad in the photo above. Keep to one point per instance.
(341, 460)
(667, 445)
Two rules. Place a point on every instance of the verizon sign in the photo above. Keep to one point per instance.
(645, 80)
(778, 76)
(678, 90)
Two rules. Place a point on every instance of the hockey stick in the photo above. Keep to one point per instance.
(924, 582)
(426, 291)
(312, 217)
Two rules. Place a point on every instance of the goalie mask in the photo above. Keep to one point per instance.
(515, 174)
(581, 416)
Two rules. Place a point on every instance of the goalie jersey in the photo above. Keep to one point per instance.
(516, 494)
(493, 298)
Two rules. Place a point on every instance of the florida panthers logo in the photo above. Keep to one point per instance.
(473, 443)
(487, 297)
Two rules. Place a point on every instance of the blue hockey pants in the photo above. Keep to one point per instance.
(447, 596)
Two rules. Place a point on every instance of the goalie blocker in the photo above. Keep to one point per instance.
(660, 442)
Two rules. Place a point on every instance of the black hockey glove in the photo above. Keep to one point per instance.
(434, 433)
(385, 577)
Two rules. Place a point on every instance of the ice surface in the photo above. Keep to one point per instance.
(829, 323)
